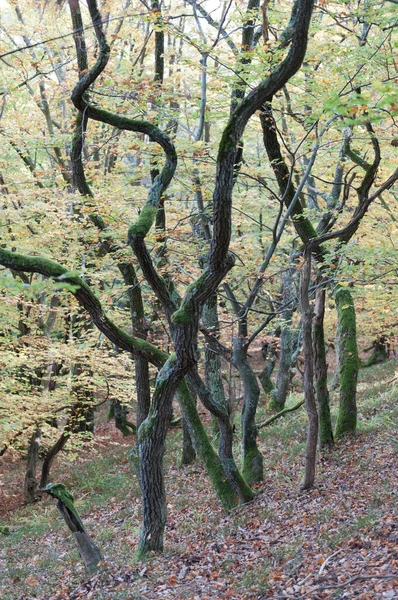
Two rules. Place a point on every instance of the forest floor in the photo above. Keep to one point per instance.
(339, 540)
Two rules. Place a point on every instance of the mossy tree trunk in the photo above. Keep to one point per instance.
(188, 454)
(225, 491)
(241, 489)
(321, 371)
(348, 361)
(212, 359)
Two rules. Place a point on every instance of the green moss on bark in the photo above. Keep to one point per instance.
(252, 469)
(205, 450)
(348, 362)
(185, 314)
(144, 222)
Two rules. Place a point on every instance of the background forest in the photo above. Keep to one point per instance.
(198, 237)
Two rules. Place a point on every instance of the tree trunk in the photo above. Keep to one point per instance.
(151, 448)
(88, 550)
(321, 371)
(269, 355)
(143, 388)
(231, 471)
(223, 487)
(188, 450)
(252, 458)
(279, 393)
(49, 458)
(212, 360)
(309, 395)
(348, 361)
(30, 484)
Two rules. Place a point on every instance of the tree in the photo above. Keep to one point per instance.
(182, 317)
(147, 302)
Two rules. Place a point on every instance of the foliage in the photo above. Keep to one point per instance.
(333, 120)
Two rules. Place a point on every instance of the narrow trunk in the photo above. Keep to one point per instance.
(279, 393)
(321, 371)
(252, 457)
(348, 361)
(309, 395)
(269, 355)
(30, 483)
(288, 341)
(225, 452)
(188, 450)
(231, 471)
(140, 329)
(49, 458)
(142, 386)
(205, 450)
(212, 360)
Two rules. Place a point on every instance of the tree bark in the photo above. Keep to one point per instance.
(49, 458)
(30, 483)
(213, 463)
(88, 550)
(188, 450)
(231, 471)
(252, 458)
(151, 448)
(348, 361)
(288, 337)
(309, 395)
(321, 371)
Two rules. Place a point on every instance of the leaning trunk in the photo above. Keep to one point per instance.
(205, 450)
(50, 456)
(348, 361)
(230, 470)
(188, 450)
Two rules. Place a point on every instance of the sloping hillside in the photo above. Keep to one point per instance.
(339, 540)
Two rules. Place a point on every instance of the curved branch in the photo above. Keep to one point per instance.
(104, 116)
(86, 297)
(237, 123)
(280, 414)
(138, 231)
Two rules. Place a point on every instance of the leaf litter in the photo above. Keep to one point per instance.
(339, 540)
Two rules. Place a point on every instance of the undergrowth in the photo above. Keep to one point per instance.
(38, 559)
